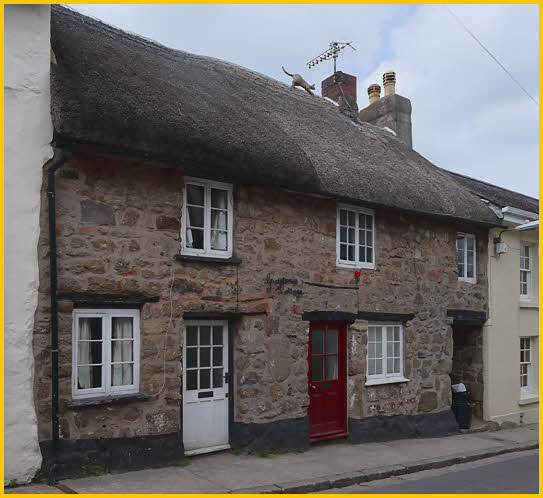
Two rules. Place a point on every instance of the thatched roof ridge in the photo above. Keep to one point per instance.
(219, 120)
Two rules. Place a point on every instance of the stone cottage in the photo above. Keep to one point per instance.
(226, 262)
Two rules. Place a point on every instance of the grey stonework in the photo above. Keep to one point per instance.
(284, 241)
(393, 111)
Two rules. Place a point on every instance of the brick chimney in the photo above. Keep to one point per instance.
(392, 110)
(330, 89)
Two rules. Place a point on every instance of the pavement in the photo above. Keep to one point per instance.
(325, 466)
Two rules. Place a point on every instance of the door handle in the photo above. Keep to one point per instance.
(312, 386)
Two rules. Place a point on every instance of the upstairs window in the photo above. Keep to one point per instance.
(106, 346)
(355, 237)
(465, 250)
(525, 271)
(207, 219)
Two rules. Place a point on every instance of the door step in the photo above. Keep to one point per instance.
(314, 439)
(200, 451)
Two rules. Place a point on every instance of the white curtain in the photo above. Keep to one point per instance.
(218, 222)
(84, 354)
(188, 230)
(122, 351)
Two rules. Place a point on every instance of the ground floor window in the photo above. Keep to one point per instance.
(384, 353)
(525, 364)
(105, 352)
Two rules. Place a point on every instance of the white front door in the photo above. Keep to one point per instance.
(205, 391)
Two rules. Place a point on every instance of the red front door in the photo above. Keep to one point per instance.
(327, 380)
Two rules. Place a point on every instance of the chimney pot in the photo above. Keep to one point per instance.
(389, 82)
(374, 92)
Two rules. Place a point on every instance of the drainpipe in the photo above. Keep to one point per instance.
(57, 163)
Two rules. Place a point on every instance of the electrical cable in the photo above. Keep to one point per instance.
(488, 52)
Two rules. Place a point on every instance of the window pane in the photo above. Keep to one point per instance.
(390, 349)
(89, 377)
(343, 251)
(219, 198)
(352, 218)
(195, 217)
(460, 269)
(90, 329)
(317, 342)
(342, 217)
(122, 327)
(470, 243)
(122, 350)
(390, 365)
(390, 334)
(378, 367)
(195, 238)
(397, 349)
(350, 252)
(217, 334)
(192, 357)
(379, 349)
(351, 236)
(192, 335)
(205, 378)
(219, 240)
(396, 365)
(369, 222)
(195, 195)
(217, 356)
(469, 272)
(331, 341)
(362, 237)
(317, 368)
(371, 350)
(331, 367)
(343, 234)
(89, 353)
(369, 238)
(205, 335)
(218, 219)
(371, 366)
(396, 333)
(192, 379)
(217, 377)
(362, 254)
(372, 334)
(205, 357)
(121, 375)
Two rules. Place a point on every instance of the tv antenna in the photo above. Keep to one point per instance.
(331, 53)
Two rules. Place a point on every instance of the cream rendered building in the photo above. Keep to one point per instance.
(511, 334)
(510, 359)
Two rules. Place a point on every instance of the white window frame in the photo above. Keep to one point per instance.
(528, 388)
(356, 263)
(461, 278)
(384, 377)
(107, 389)
(207, 251)
(528, 296)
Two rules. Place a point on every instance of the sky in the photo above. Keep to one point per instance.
(468, 115)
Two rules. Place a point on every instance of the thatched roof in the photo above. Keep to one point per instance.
(218, 120)
(497, 195)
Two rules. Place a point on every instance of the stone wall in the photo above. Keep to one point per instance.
(118, 231)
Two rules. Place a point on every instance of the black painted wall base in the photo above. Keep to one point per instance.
(112, 454)
(281, 435)
(402, 426)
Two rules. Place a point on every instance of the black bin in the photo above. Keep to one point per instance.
(462, 409)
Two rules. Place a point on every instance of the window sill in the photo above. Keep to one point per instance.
(207, 259)
(528, 398)
(355, 266)
(468, 280)
(106, 400)
(527, 303)
(389, 380)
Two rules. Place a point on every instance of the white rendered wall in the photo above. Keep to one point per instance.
(27, 137)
